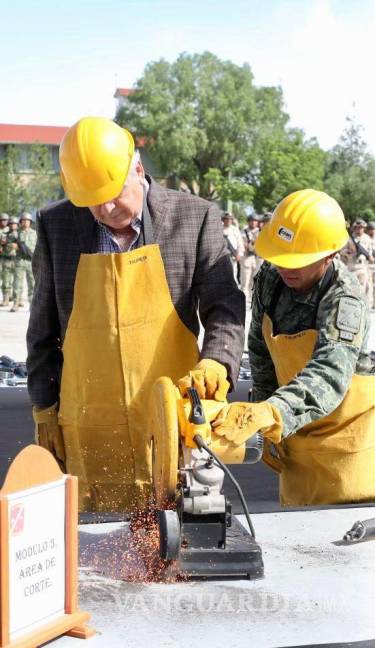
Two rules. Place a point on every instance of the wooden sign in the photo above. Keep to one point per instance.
(39, 553)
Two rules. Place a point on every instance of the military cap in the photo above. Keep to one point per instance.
(371, 225)
(26, 216)
(4, 216)
(13, 220)
(360, 222)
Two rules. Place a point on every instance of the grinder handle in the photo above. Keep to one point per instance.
(196, 423)
(197, 416)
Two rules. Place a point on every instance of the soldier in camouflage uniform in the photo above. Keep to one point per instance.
(4, 229)
(358, 255)
(371, 233)
(9, 254)
(314, 384)
(26, 245)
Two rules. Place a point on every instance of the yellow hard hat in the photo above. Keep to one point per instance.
(305, 227)
(95, 157)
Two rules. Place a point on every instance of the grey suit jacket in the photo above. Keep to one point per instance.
(199, 274)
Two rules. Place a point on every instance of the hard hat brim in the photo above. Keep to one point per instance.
(267, 249)
(94, 197)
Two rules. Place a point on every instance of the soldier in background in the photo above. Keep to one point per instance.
(249, 265)
(234, 242)
(4, 229)
(358, 254)
(371, 233)
(26, 246)
(264, 219)
(313, 382)
(9, 254)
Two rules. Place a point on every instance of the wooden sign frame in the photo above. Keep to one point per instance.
(35, 466)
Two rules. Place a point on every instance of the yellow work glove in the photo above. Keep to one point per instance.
(48, 433)
(238, 422)
(209, 379)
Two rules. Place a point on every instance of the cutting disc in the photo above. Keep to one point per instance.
(165, 441)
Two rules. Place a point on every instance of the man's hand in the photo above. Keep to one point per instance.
(209, 379)
(48, 433)
(240, 421)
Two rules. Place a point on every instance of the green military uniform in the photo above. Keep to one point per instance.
(26, 247)
(337, 353)
(9, 254)
(3, 232)
(310, 360)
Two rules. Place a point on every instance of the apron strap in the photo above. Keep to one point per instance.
(326, 283)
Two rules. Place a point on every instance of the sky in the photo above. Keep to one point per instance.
(61, 61)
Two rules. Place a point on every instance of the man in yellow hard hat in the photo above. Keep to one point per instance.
(121, 269)
(314, 384)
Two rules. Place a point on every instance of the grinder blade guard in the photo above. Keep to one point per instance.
(199, 536)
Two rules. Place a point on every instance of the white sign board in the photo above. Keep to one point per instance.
(36, 557)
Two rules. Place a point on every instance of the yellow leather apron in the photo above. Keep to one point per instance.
(331, 460)
(123, 334)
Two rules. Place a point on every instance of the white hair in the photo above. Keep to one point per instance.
(136, 158)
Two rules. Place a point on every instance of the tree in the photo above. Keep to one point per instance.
(350, 173)
(10, 184)
(203, 119)
(288, 162)
(44, 183)
(21, 191)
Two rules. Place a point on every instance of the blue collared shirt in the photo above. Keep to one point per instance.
(107, 241)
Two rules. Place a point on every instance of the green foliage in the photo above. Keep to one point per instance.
(201, 116)
(206, 123)
(240, 212)
(228, 187)
(44, 183)
(10, 185)
(350, 173)
(368, 214)
(21, 191)
(288, 162)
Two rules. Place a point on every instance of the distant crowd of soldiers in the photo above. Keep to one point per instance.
(18, 240)
(358, 254)
(17, 244)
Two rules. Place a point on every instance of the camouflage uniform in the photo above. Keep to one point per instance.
(321, 386)
(26, 246)
(3, 232)
(9, 257)
(371, 233)
(359, 263)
